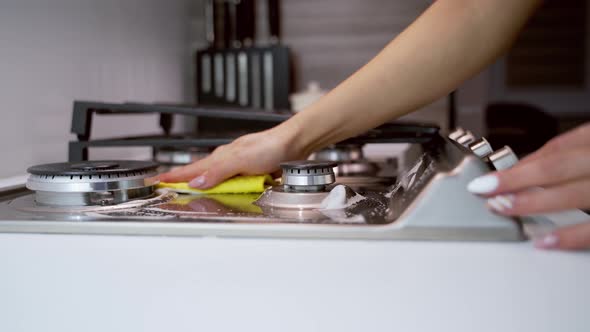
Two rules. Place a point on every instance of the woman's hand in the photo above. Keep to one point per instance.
(400, 79)
(554, 178)
(258, 153)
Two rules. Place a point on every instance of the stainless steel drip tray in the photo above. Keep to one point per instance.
(238, 216)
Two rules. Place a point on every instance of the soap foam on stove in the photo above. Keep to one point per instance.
(337, 199)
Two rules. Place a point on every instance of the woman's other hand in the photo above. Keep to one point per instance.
(554, 178)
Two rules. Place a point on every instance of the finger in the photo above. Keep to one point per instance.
(548, 170)
(575, 138)
(186, 173)
(190, 172)
(574, 237)
(571, 195)
(218, 171)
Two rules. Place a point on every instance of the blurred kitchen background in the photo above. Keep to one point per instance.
(153, 51)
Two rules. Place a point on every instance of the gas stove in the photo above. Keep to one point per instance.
(314, 199)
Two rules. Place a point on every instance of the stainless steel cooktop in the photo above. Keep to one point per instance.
(427, 201)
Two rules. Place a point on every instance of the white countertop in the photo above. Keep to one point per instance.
(118, 283)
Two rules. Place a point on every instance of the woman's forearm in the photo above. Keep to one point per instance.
(452, 41)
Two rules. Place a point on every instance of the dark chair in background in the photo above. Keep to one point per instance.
(522, 126)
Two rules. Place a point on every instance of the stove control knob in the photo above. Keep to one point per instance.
(308, 175)
(466, 138)
(481, 148)
(457, 133)
(503, 158)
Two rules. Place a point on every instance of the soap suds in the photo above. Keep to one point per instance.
(336, 199)
(353, 200)
(341, 216)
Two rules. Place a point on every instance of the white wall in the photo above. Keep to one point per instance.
(55, 51)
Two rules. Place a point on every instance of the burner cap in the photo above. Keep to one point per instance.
(308, 175)
(98, 167)
(94, 165)
(103, 182)
(307, 165)
(340, 153)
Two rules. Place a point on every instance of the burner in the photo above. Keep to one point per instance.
(87, 167)
(276, 197)
(305, 185)
(172, 157)
(308, 175)
(341, 153)
(350, 158)
(91, 183)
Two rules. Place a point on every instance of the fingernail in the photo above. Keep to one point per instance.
(197, 182)
(548, 241)
(501, 202)
(495, 205)
(483, 184)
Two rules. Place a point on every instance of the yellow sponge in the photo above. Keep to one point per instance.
(247, 184)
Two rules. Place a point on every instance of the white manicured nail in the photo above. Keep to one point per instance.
(506, 200)
(483, 184)
(547, 242)
(197, 182)
(495, 205)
